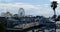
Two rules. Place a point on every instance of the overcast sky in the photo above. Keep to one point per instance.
(32, 7)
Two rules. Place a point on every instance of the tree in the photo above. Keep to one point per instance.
(16, 16)
(2, 27)
(6, 14)
(54, 6)
(58, 18)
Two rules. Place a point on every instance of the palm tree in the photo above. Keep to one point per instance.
(54, 6)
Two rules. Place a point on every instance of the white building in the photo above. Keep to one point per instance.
(21, 12)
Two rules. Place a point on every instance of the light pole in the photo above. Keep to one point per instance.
(54, 6)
